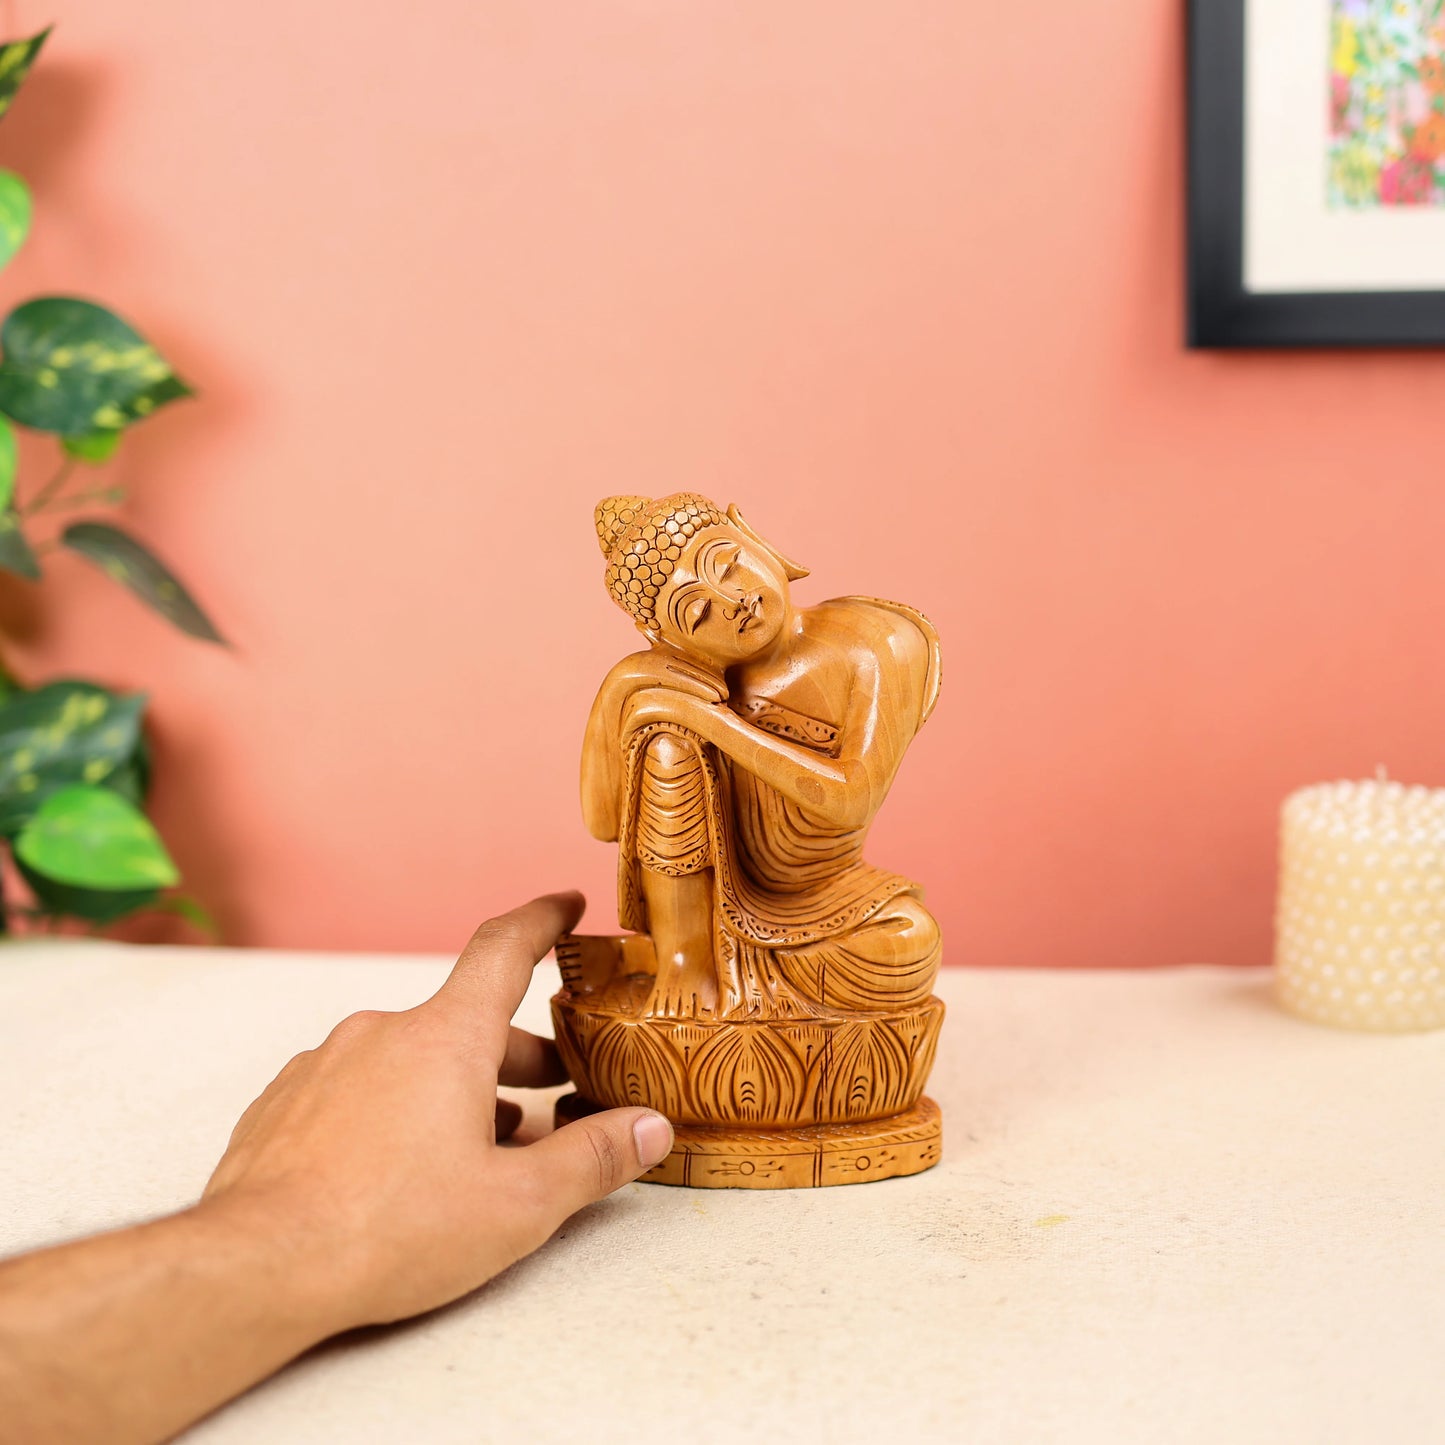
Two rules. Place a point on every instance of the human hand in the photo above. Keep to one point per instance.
(377, 1153)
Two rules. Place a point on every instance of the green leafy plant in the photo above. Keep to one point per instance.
(74, 764)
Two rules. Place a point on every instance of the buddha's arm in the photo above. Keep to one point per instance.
(603, 744)
(827, 787)
(885, 703)
(602, 769)
(844, 792)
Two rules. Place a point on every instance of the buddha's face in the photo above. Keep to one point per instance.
(726, 600)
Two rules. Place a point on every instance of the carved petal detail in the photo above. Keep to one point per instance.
(792, 1073)
(807, 1040)
(633, 1064)
(747, 1075)
(869, 1073)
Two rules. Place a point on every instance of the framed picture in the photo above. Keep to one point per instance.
(1316, 173)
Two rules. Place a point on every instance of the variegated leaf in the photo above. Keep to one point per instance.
(134, 566)
(90, 837)
(14, 215)
(16, 58)
(66, 733)
(72, 367)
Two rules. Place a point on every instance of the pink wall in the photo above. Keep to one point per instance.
(903, 280)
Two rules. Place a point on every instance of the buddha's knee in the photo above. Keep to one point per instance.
(889, 962)
(902, 935)
(666, 755)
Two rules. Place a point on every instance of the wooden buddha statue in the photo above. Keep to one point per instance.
(774, 999)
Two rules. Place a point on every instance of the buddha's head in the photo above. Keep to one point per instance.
(693, 577)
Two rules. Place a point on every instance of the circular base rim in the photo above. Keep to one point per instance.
(813, 1157)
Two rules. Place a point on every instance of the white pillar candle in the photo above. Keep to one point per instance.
(1360, 928)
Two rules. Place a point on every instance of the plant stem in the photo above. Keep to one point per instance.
(79, 499)
(39, 501)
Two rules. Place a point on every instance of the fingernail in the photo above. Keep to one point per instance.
(653, 1136)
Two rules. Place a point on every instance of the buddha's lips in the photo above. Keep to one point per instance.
(754, 611)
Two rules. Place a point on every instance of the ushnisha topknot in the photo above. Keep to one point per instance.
(642, 541)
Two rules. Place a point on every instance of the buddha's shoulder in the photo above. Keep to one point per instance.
(903, 630)
(899, 640)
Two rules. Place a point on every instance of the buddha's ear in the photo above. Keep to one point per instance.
(791, 569)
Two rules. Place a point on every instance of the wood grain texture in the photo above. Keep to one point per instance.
(774, 982)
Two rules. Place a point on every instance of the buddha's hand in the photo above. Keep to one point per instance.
(650, 705)
(373, 1162)
(660, 667)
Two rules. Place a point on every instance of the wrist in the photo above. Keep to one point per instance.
(283, 1251)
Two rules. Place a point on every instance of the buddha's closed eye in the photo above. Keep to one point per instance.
(718, 560)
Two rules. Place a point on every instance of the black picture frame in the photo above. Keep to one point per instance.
(1221, 313)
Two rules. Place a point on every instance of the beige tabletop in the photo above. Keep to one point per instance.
(1165, 1212)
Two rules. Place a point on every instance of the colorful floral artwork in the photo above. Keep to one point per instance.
(1387, 103)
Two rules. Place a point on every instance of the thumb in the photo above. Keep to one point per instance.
(587, 1159)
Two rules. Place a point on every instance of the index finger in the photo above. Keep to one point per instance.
(495, 967)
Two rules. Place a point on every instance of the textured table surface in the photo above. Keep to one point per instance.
(1166, 1212)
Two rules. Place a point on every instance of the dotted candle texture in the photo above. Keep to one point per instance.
(1360, 928)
